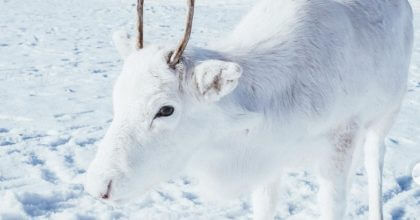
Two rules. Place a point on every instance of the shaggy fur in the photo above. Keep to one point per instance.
(298, 82)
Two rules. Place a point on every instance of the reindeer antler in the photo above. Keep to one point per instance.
(140, 4)
(176, 55)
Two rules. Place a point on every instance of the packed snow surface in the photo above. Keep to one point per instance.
(57, 68)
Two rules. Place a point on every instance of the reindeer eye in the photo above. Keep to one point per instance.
(165, 111)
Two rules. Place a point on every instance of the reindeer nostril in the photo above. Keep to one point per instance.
(108, 191)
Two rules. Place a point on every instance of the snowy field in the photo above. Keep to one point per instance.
(57, 68)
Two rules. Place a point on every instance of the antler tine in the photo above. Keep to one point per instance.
(176, 55)
(140, 4)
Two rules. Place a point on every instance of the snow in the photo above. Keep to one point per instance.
(57, 68)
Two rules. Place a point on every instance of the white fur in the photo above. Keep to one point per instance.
(297, 83)
(225, 73)
(123, 42)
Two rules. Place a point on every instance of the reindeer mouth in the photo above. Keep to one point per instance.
(107, 195)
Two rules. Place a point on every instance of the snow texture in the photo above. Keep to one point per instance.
(57, 68)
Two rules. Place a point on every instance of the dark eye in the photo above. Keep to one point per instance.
(165, 111)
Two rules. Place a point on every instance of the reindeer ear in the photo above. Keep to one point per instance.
(124, 43)
(215, 78)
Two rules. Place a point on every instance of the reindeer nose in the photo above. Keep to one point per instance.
(107, 194)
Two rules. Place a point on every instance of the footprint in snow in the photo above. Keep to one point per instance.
(36, 204)
(63, 117)
(397, 213)
(69, 159)
(70, 90)
(71, 116)
(32, 136)
(34, 160)
(293, 209)
(362, 210)
(96, 71)
(49, 176)
(404, 184)
(393, 141)
(191, 197)
(83, 142)
(6, 142)
(59, 141)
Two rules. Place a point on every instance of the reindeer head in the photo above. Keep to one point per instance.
(164, 108)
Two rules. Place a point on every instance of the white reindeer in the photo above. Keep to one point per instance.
(298, 82)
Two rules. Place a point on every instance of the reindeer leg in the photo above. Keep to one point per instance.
(374, 154)
(334, 171)
(374, 159)
(264, 201)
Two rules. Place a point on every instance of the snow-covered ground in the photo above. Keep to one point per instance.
(57, 67)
